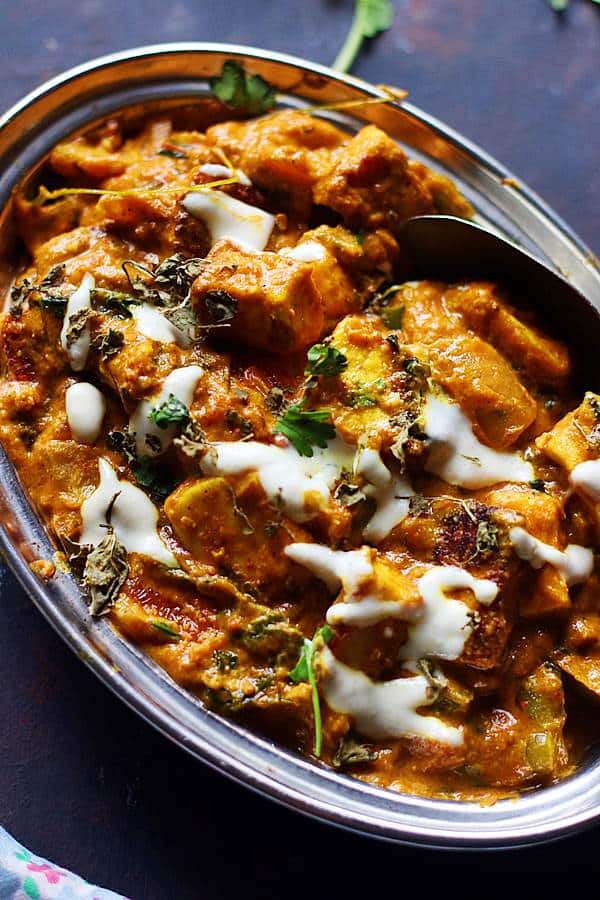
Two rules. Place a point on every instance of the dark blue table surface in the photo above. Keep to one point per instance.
(82, 780)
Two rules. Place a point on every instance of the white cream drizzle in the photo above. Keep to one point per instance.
(152, 324)
(226, 217)
(359, 605)
(388, 709)
(286, 477)
(182, 384)
(305, 251)
(214, 170)
(133, 517)
(575, 563)
(585, 477)
(79, 300)
(391, 494)
(384, 709)
(459, 458)
(85, 406)
(345, 569)
(446, 623)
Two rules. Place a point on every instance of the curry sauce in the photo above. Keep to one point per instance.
(357, 513)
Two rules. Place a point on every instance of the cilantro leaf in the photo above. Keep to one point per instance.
(236, 88)
(305, 428)
(370, 18)
(304, 670)
(325, 360)
(171, 412)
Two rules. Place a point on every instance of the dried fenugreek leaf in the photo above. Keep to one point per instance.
(105, 572)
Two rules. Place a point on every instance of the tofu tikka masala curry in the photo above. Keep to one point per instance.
(357, 514)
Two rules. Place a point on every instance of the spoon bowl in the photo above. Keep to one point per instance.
(448, 248)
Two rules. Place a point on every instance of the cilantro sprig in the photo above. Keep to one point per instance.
(248, 93)
(370, 18)
(304, 670)
(306, 428)
(322, 359)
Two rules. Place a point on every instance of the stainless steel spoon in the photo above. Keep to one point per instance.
(447, 248)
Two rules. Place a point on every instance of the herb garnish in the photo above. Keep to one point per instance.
(176, 274)
(416, 368)
(220, 306)
(234, 420)
(155, 477)
(393, 341)
(306, 428)
(562, 5)
(436, 680)
(248, 93)
(77, 324)
(108, 343)
(171, 412)
(117, 302)
(486, 538)
(593, 435)
(192, 439)
(48, 299)
(538, 485)
(370, 18)
(18, 295)
(361, 400)
(348, 494)
(167, 285)
(225, 660)
(55, 305)
(275, 400)
(184, 318)
(165, 628)
(173, 153)
(351, 753)
(304, 670)
(404, 425)
(106, 570)
(322, 359)
(418, 505)
(393, 316)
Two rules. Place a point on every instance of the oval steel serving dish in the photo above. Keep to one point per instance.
(160, 75)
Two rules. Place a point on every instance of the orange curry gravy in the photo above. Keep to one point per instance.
(334, 505)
